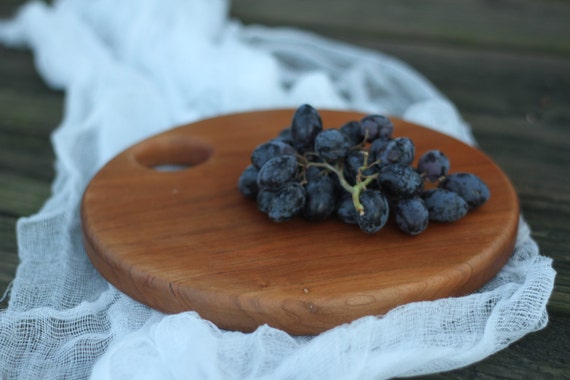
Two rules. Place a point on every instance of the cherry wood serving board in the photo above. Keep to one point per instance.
(188, 240)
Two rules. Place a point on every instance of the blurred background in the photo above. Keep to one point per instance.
(505, 64)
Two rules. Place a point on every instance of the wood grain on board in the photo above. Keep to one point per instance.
(188, 240)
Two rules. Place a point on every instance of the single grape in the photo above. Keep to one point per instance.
(375, 148)
(306, 124)
(400, 150)
(264, 199)
(321, 194)
(287, 203)
(247, 183)
(444, 205)
(345, 210)
(286, 136)
(331, 145)
(411, 215)
(313, 172)
(470, 187)
(376, 126)
(270, 149)
(353, 161)
(400, 180)
(376, 211)
(353, 132)
(433, 165)
(276, 172)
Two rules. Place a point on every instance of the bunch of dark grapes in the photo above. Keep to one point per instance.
(358, 172)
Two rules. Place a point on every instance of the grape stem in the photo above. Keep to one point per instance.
(355, 190)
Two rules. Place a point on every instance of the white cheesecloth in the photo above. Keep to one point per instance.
(133, 68)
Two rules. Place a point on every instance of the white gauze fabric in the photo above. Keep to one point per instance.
(133, 68)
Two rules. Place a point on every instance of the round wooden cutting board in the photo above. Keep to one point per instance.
(186, 239)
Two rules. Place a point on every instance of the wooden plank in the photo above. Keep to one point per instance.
(29, 111)
(8, 255)
(26, 194)
(515, 25)
(535, 87)
(21, 155)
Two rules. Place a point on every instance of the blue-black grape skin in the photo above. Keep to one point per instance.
(314, 172)
(287, 202)
(321, 197)
(400, 150)
(271, 149)
(376, 126)
(376, 211)
(286, 136)
(276, 172)
(470, 187)
(354, 160)
(352, 131)
(247, 182)
(411, 215)
(400, 180)
(376, 147)
(331, 145)
(444, 205)
(434, 165)
(264, 199)
(345, 210)
(305, 126)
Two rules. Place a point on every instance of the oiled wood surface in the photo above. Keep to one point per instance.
(505, 64)
(188, 240)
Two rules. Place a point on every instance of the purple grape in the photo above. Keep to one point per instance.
(247, 183)
(400, 180)
(376, 211)
(331, 145)
(375, 148)
(470, 187)
(306, 125)
(353, 162)
(411, 215)
(444, 205)
(264, 199)
(433, 165)
(353, 132)
(345, 210)
(321, 194)
(400, 150)
(287, 202)
(276, 172)
(286, 136)
(313, 172)
(376, 126)
(271, 149)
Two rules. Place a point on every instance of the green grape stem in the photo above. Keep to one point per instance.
(355, 190)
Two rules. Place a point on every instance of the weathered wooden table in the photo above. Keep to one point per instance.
(505, 64)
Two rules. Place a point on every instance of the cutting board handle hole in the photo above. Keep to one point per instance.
(170, 167)
(172, 153)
